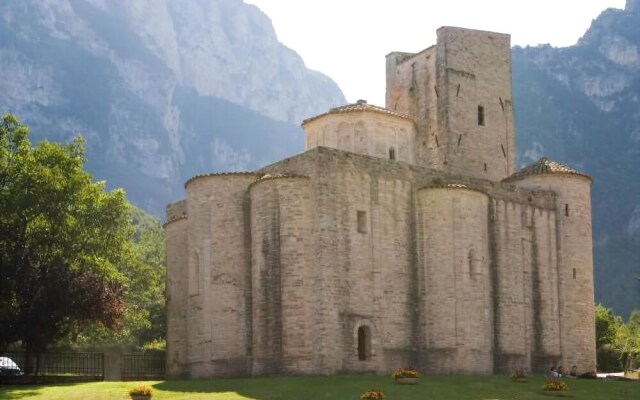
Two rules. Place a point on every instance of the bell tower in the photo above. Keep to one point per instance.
(459, 92)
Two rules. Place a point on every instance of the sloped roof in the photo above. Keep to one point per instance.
(217, 174)
(360, 106)
(544, 166)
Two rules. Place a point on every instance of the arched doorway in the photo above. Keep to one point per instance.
(364, 343)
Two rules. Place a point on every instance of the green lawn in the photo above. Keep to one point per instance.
(342, 387)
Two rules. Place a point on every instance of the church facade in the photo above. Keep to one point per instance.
(402, 236)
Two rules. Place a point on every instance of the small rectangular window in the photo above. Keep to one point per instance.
(481, 115)
(392, 153)
(566, 210)
(574, 273)
(362, 221)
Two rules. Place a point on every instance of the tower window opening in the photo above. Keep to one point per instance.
(566, 210)
(362, 221)
(481, 115)
(392, 153)
(364, 343)
(475, 266)
(574, 273)
(485, 167)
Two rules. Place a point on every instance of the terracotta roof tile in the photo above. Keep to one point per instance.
(360, 106)
(218, 174)
(544, 166)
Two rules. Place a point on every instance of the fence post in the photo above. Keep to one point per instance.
(112, 370)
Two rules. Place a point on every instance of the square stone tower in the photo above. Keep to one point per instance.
(459, 93)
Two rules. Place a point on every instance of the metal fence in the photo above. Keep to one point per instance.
(93, 366)
(141, 366)
(78, 364)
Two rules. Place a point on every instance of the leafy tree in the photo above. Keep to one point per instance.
(145, 317)
(149, 276)
(627, 339)
(62, 238)
(607, 323)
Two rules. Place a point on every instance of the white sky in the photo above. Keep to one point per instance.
(348, 39)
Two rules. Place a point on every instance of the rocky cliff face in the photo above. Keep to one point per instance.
(153, 84)
(581, 105)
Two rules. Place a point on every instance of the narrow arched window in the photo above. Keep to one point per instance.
(392, 153)
(364, 343)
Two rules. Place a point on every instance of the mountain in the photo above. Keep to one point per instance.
(166, 89)
(581, 105)
(161, 89)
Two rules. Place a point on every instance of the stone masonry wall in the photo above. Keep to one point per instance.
(219, 265)
(453, 254)
(575, 266)
(474, 70)
(369, 133)
(177, 290)
(412, 89)
(525, 280)
(283, 284)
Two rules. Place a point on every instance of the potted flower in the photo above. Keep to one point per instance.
(141, 393)
(373, 394)
(405, 376)
(519, 375)
(555, 387)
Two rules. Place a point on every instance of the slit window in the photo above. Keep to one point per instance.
(566, 210)
(574, 273)
(392, 153)
(481, 115)
(362, 221)
(475, 267)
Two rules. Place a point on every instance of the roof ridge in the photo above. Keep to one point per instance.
(359, 106)
(546, 166)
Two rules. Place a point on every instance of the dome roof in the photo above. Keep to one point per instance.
(360, 106)
(544, 166)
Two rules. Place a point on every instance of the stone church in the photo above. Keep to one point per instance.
(401, 236)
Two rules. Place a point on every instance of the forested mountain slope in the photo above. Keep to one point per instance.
(581, 105)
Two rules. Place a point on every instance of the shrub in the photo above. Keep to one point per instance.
(141, 391)
(404, 373)
(372, 395)
(518, 374)
(555, 385)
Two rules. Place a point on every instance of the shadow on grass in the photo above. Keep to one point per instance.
(282, 387)
(15, 394)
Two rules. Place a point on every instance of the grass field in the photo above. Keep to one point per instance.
(342, 387)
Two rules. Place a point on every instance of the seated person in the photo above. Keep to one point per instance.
(574, 371)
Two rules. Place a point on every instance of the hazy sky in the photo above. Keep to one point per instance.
(348, 39)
